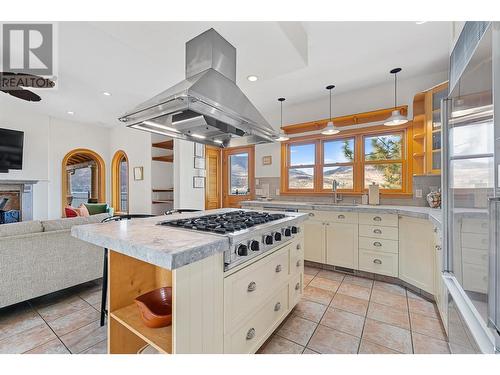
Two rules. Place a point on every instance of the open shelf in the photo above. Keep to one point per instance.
(419, 136)
(167, 145)
(160, 201)
(418, 154)
(164, 158)
(163, 190)
(159, 338)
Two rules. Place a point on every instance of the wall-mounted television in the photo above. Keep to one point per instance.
(11, 149)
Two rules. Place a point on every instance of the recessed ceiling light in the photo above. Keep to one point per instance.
(252, 78)
(420, 22)
(71, 113)
(105, 93)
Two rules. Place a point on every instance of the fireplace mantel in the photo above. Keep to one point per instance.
(18, 182)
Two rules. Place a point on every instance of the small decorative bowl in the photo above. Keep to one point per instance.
(156, 307)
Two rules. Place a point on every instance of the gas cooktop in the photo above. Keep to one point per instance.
(224, 223)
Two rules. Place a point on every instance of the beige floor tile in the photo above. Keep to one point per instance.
(309, 351)
(74, 321)
(368, 347)
(386, 335)
(423, 307)
(52, 347)
(356, 280)
(327, 284)
(280, 345)
(312, 271)
(297, 329)
(389, 315)
(62, 308)
(92, 296)
(389, 288)
(85, 337)
(100, 348)
(343, 321)
(389, 299)
(16, 319)
(331, 275)
(27, 340)
(310, 310)
(351, 304)
(307, 279)
(427, 326)
(318, 295)
(354, 291)
(330, 341)
(428, 345)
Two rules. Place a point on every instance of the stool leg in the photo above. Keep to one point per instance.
(104, 287)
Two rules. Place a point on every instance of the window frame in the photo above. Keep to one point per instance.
(313, 166)
(358, 164)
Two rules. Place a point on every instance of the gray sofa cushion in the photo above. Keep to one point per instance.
(18, 229)
(67, 223)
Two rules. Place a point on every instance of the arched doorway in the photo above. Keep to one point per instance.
(83, 178)
(119, 182)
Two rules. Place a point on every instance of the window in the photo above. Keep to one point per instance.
(355, 159)
(238, 172)
(119, 180)
(383, 162)
(301, 171)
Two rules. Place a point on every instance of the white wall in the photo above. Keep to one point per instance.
(137, 145)
(365, 100)
(185, 196)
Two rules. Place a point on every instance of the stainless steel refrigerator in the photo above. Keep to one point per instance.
(470, 122)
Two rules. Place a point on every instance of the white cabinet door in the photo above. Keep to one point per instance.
(342, 244)
(314, 241)
(417, 253)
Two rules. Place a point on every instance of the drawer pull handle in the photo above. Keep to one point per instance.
(298, 246)
(298, 263)
(311, 214)
(277, 307)
(341, 216)
(377, 231)
(438, 247)
(377, 261)
(278, 268)
(376, 243)
(251, 333)
(252, 286)
(297, 286)
(377, 218)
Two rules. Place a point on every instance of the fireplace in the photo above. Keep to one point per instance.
(16, 201)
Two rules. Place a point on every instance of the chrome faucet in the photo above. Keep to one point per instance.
(336, 196)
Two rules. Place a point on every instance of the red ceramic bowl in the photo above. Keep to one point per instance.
(156, 307)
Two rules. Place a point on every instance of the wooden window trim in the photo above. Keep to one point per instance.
(358, 164)
(115, 182)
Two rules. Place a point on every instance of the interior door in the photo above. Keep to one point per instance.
(238, 175)
(213, 191)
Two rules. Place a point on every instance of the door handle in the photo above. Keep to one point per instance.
(278, 268)
(377, 244)
(277, 307)
(377, 231)
(377, 218)
(341, 217)
(252, 286)
(297, 286)
(298, 263)
(377, 261)
(251, 333)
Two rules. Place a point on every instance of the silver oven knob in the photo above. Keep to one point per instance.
(277, 236)
(254, 245)
(287, 232)
(268, 239)
(242, 250)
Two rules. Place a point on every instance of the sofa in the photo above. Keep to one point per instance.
(41, 257)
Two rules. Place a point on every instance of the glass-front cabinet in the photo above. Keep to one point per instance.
(433, 128)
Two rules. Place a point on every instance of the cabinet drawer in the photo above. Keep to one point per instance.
(389, 220)
(334, 216)
(376, 231)
(249, 336)
(475, 278)
(246, 289)
(377, 262)
(475, 256)
(378, 244)
(475, 226)
(475, 241)
(295, 289)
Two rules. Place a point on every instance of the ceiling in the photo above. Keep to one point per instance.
(136, 60)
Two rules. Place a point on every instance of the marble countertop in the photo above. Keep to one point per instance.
(143, 239)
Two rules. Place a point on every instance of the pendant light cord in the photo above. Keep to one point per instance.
(330, 104)
(395, 90)
(281, 126)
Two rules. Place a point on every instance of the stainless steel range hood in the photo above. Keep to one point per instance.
(207, 107)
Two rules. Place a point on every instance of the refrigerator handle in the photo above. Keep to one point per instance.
(494, 267)
(445, 205)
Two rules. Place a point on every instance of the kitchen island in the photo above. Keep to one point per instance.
(217, 308)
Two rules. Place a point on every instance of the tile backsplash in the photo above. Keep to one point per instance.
(269, 187)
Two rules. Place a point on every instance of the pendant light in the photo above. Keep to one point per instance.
(396, 117)
(330, 128)
(281, 135)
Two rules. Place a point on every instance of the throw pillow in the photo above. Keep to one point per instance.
(83, 210)
(70, 212)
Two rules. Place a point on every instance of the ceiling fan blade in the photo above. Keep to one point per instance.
(24, 95)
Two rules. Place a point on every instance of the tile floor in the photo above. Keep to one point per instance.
(60, 323)
(337, 314)
(347, 314)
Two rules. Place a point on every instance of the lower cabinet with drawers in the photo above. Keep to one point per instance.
(474, 243)
(260, 295)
